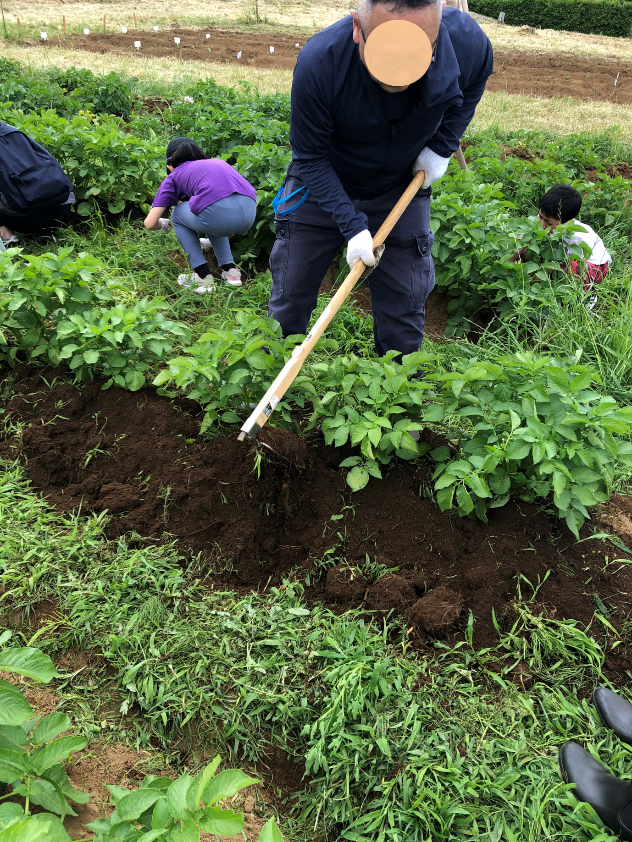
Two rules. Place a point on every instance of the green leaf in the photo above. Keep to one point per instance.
(518, 449)
(434, 413)
(222, 822)
(12, 737)
(43, 793)
(28, 662)
(574, 521)
(559, 482)
(200, 783)
(28, 831)
(161, 816)
(14, 709)
(134, 804)
(134, 380)
(440, 454)
(357, 478)
(383, 745)
(50, 727)
(56, 751)
(270, 832)
(177, 797)
(91, 357)
(188, 831)
(445, 497)
(225, 785)
(13, 765)
(464, 500)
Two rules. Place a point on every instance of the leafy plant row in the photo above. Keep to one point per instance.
(518, 424)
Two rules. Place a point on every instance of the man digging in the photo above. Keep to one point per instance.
(378, 96)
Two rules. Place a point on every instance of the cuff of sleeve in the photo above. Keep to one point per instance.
(354, 226)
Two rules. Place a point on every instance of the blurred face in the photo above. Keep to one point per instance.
(367, 17)
(548, 221)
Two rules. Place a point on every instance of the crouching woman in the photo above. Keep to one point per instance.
(208, 197)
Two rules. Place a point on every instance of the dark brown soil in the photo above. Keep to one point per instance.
(138, 455)
(555, 75)
(437, 612)
(221, 48)
(345, 585)
(516, 71)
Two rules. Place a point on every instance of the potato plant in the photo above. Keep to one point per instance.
(531, 426)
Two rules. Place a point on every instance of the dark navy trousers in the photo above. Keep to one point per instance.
(307, 241)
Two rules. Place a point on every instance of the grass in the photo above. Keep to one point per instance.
(397, 745)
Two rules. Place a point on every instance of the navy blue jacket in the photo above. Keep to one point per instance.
(342, 140)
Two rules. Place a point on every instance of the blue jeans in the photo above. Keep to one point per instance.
(219, 221)
(307, 241)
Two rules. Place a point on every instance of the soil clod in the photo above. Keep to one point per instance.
(345, 585)
(436, 612)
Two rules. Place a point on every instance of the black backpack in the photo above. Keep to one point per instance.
(31, 180)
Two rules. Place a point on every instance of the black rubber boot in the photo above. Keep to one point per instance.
(615, 712)
(610, 797)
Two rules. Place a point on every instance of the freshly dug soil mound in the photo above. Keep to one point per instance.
(515, 71)
(345, 585)
(437, 612)
(138, 455)
(390, 592)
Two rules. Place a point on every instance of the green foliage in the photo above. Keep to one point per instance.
(32, 750)
(105, 164)
(531, 426)
(177, 811)
(369, 403)
(126, 341)
(48, 307)
(101, 94)
(15, 826)
(227, 369)
(601, 17)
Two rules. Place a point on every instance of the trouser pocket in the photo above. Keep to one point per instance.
(423, 279)
(280, 253)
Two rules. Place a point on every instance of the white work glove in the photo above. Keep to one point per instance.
(360, 247)
(432, 164)
(165, 224)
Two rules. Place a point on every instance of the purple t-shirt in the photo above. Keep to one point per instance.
(201, 183)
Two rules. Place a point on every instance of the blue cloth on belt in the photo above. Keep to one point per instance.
(343, 142)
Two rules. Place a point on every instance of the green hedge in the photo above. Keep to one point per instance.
(598, 17)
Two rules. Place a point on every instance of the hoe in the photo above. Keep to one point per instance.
(252, 427)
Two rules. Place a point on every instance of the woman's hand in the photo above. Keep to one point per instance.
(152, 222)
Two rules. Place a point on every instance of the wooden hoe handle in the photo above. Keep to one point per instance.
(290, 370)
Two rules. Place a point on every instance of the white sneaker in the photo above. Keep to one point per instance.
(165, 224)
(13, 240)
(206, 286)
(232, 277)
(192, 279)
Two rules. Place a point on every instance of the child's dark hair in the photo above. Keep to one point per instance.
(183, 149)
(561, 202)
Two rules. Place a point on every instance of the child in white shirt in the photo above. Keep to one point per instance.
(561, 204)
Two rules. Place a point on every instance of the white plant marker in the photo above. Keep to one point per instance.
(44, 36)
(207, 36)
(137, 44)
(124, 30)
(86, 32)
(176, 40)
(271, 49)
(238, 55)
(297, 45)
(156, 28)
